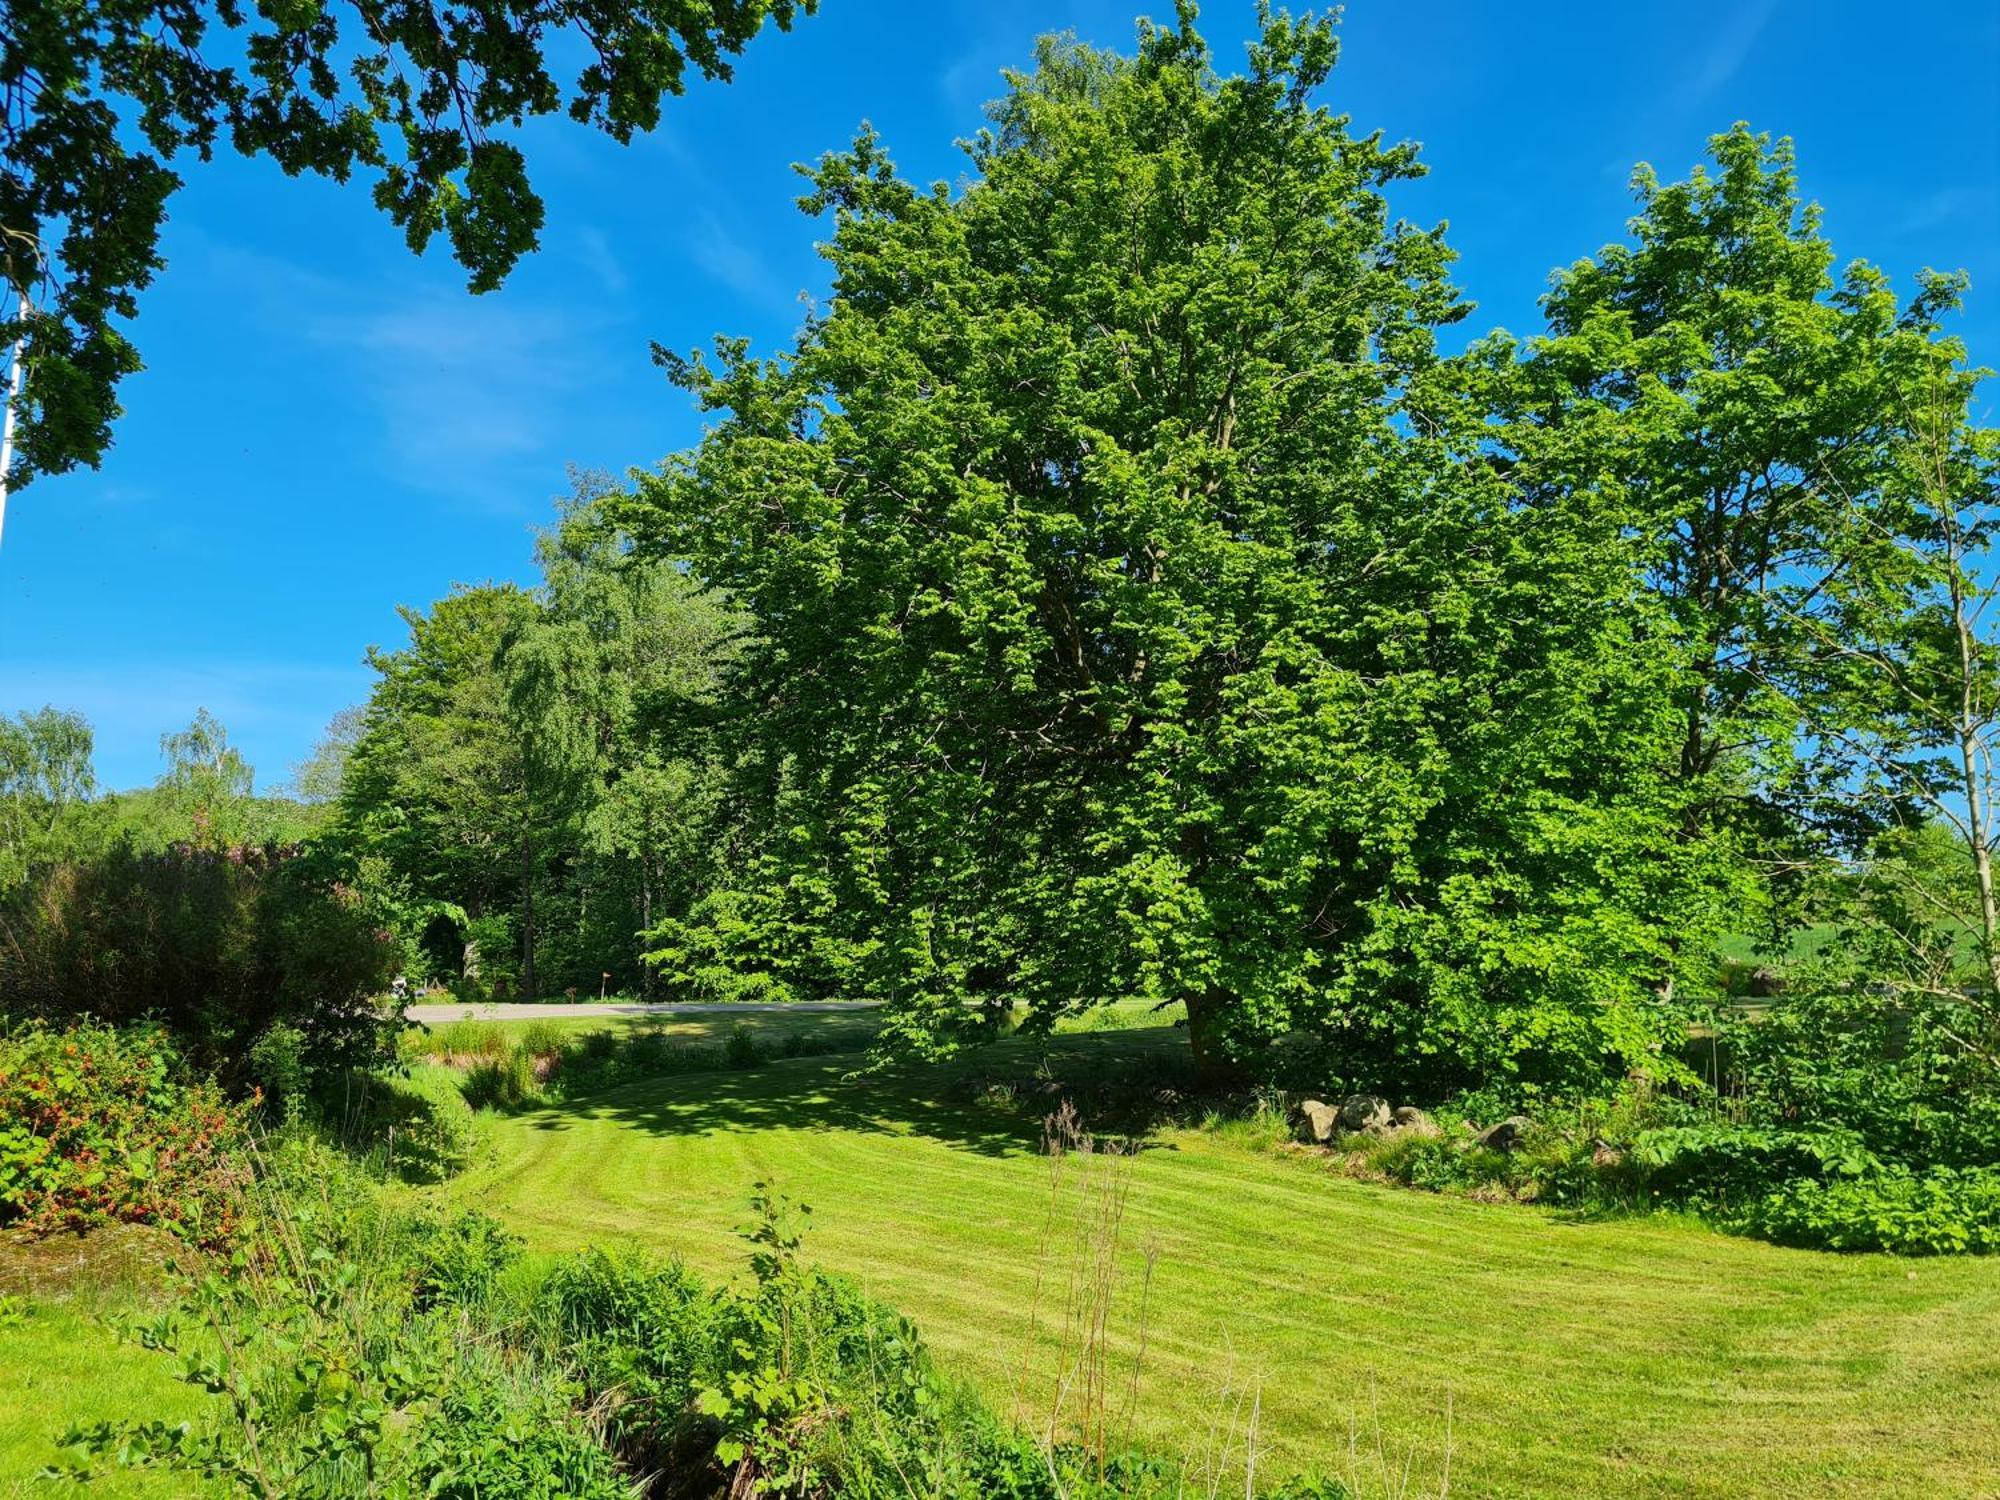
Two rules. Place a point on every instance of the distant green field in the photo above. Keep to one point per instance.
(1357, 1322)
(849, 1030)
(1804, 943)
(767, 1022)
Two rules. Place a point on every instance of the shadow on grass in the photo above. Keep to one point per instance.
(992, 1100)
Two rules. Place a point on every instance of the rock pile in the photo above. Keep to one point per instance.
(1508, 1134)
(1361, 1114)
(1322, 1124)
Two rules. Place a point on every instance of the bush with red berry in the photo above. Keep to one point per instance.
(101, 1124)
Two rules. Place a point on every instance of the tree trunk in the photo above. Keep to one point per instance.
(1205, 1025)
(1971, 717)
(528, 989)
(468, 945)
(645, 924)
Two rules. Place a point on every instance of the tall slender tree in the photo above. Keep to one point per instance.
(1718, 394)
(1898, 661)
(45, 768)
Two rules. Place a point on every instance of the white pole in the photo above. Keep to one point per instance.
(7, 422)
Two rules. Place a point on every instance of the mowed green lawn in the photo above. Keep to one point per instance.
(1359, 1322)
(768, 1023)
(63, 1361)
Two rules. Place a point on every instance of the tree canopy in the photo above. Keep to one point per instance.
(99, 99)
(1142, 604)
(1134, 612)
(1125, 585)
(530, 789)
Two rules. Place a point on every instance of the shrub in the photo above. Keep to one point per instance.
(504, 1082)
(542, 1039)
(1944, 1212)
(100, 1125)
(357, 1361)
(506, 1428)
(1890, 1072)
(428, 1124)
(1721, 1163)
(1434, 1163)
(220, 945)
(279, 1067)
(647, 1334)
(458, 1259)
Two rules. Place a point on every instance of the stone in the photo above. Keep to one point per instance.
(1318, 1121)
(1364, 1112)
(1508, 1134)
(1409, 1120)
(1766, 981)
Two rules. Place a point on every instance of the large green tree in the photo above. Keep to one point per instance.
(615, 686)
(533, 765)
(1721, 398)
(436, 790)
(99, 99)
(45, 769)
(1134, 612)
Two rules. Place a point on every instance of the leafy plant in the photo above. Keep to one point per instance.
(99, 1124)
(1942, 1212)
(345, 1360)
(426, 1122)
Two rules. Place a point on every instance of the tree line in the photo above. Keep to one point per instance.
(1127, 585)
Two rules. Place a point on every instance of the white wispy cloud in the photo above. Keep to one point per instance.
(735, 261)
(461, 389)
(1950, 205)
(1730, 47)
(594, 252)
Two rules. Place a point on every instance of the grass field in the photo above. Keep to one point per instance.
(1358, 1328)
(851, 1030)
(1566, 1358)
(63, 1361)
(763, 1021)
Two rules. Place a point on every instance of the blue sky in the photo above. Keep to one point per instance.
(328, 428)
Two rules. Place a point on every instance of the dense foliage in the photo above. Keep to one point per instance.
(529, 788)
(99, 1125)
(372, 1348)
(1134, 610)
(53, 812)
(1141, 604)
(220, 944)
(98, 98)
